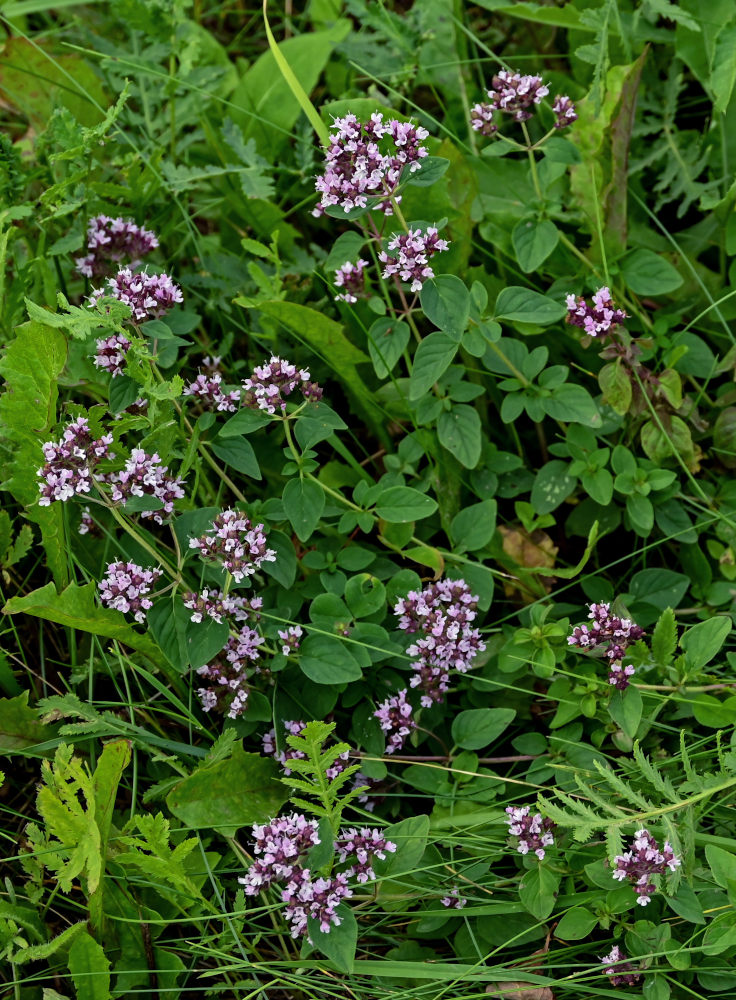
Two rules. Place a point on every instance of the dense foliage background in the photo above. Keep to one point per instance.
(471, 427)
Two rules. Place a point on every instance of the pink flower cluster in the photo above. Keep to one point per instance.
(597, 318)
(365, 160)
(70, 462)
(517, 95)
(144, 475)
(234, 542)
(453, 900)
(270, 383)
(149, 296)
(351, 278)
(396, 718)
(365, 844)
(643, 860)
(534, 833)
(619, 969)
(207, 389)
(414, 250)
(125, 586)
(112, 240)
(294, 728)
(218, 606)
(618, 633)
(280, 848)
(110, 353)
(442, 614)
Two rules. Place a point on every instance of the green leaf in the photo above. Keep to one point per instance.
(646, 273)
(284, 569)
(327, 660)
(576, 924)
(169, 622)
(664, 638)
(723, 73)
(400, 504)
(641, 514)
(229, 794)
(365, 594)
(662, 444)
(522, 305)
(317, 423)
(446, 303)
(625, 708)
(431, 169)
(264, 103)
(722, 864)
(245, 421)
(31, 367)
(238, 453)
(473, 527)
(616, 387)
(37, 952)
(662, 588)
(431, 360)
(20, 726)
(538, 891)
(205, 640)
(460, 432)
(573, 403)
(387, 340)
(476, 728)
(704, 640)
(552, 486)
(345, 249)
(410, 837)
(76, 607)
(304, 501)
(89, 968)
(533, 242)
(340, 942)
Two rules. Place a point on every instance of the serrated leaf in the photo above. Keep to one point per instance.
(664, 638)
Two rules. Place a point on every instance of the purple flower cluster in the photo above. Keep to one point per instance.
(359, 164)
(87, 525)
(227, 691)
(534, 833)
(207, 389)
(112, 240)
(442, 614)
(643, 860)
(110, 353)
(620, 971)
(70, 462)
(619, 633)
(236, 543)
(365, 845)
(517, 95)
(270, 383)
(414, 250)
(564, 110)
(125, 586)
(597, 318)
(217, 606)
(150, 296)
(351, 279)
(290, 638)
(396, 718)
(453, 900)
(144, 475)
(280, 848)
(283, 756)
(293, 728)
